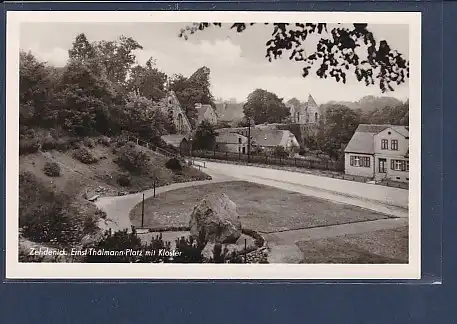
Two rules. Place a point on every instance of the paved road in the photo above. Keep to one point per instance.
(391, 201)
(117, 208)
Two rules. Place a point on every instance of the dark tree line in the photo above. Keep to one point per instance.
(102, 90)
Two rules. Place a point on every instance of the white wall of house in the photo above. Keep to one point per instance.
(396, 168)
(289, 141)
(232, 142)
(390, 136)
(359, 164)
(390, 149)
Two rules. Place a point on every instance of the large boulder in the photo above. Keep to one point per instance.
(216, 220)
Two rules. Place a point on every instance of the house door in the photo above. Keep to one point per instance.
(382, 166)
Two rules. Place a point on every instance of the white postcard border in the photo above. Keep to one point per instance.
(16, 270)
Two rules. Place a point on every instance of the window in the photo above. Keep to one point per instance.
(239, 140)
(399, 165)
(382, 166)
(384, 144)
(360, 161)
(394, 145)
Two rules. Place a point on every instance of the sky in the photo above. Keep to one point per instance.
(236, 60)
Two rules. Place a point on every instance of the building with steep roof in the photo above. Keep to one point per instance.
(305, 112)
(265, 139)
(178, 141)
(379, 152)
(229, 112)
(206, 112)
(172, 108)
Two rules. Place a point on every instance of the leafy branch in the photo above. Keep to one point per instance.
(335, 55)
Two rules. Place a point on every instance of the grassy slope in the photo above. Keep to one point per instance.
(77, 175)
(77, 178)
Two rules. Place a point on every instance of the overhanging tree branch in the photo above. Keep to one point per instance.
(335, 55)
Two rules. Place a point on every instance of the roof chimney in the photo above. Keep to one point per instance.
(198, 105)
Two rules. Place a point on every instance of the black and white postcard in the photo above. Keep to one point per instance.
(213, 145)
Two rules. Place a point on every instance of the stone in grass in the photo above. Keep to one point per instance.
(215, 219)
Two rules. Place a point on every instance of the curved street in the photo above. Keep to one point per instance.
(387, 200)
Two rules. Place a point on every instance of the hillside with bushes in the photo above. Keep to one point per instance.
(74, 126)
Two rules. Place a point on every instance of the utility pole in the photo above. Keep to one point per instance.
(249, 139)
(142, 213)
(154, 187)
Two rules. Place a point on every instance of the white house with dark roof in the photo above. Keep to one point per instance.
(268, 139)
(232, 142)
(379, 152)
(263, 138)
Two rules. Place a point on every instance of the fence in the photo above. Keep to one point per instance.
(335, 166)
(150, 146)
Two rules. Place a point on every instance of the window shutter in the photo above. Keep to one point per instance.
(368, 162)
(352, 160)
(392, 164)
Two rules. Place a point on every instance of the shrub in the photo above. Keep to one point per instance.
(84, 155)
(123, 240)
(173, 164)
(279, 151)
(104, 140)
(123, 179)
(132, 158)
(100, 214)
(51, 169)
(55, 144)
(89, 142)
(28, 145)
(46, 216)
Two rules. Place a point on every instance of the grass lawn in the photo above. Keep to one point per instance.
(262, 208)
(382, 246)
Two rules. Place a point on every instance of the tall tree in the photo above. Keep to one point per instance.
(140, 116)
(294, 102)
(337, 128)
(37, 83)
(148, 81)
(82, 49)
(117, 57)
(336, 52)
(192, 90)
(205, 136)
(84, 97)
(265, 107)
